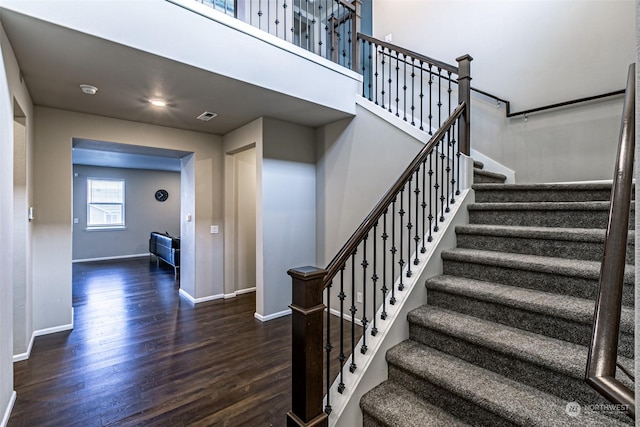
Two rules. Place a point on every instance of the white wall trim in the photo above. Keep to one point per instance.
(8, 409)
(194, 301)
(61, 328)
(110, 258)
(345, 316)
(239, 292)
(272, 316)
(26, 354)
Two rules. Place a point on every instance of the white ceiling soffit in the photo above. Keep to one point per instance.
(55, 60)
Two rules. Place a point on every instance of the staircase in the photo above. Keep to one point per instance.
(503, 337)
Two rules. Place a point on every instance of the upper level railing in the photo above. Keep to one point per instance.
(325, 27)
(603, 351)
(337, 309)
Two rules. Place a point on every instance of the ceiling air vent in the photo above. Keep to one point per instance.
(206, 116)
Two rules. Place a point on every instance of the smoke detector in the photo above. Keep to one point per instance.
(88, 89)
(206, 116)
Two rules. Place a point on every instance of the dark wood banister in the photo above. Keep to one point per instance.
(601, 362)
(347, 250)
(407, 52)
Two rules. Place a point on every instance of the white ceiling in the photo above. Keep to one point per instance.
(54, 61)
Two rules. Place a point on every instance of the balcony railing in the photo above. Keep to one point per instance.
(325, 27)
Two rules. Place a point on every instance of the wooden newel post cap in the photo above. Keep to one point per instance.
(306, 273)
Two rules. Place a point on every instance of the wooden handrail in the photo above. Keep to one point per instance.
(509, 114)
(601, 362)
(407, 52)
(347, 250)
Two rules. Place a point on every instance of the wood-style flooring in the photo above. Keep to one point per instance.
(141, 355)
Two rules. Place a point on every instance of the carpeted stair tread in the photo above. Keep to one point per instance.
(541, 206)
(555, 355)
(478, 164)
(546, 303)
(542, 192)
(392, 405)
(595, 235)
(518, 403)
(487, 177)
(566, 267)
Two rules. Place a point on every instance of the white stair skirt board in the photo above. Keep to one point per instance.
(8, 409)
(239, 292)
(194, 301)
(272, 316)
(371, 367)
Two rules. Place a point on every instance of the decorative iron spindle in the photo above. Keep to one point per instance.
(442, 198)
(393, 250)
(341, 357)
(421, 95)
(401, 261)
(413, 92)
(397, 84)
(384, 289)
(409, 227)
(404, 87)
(436, 187)
(416, 237)
(448, 169)
(430, 100)
(353, 366)
(423, 249)
(364, 320)
(374, 279)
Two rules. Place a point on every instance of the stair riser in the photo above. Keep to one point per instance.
(484, 179)
(447, 400)
(591, 251)
(502, 196)
(544, 218)
(540, 323)
(560, 384)
(369, 421)
(548, 282)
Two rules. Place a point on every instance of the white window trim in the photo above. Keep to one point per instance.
(107, 227)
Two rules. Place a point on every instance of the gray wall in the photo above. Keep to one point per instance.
(143, 213)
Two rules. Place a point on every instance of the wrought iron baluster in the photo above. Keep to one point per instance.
(449, 79)
(439, 97)
(404, 86)
(364, 320)
(453, 160)
(364, 73)
(284, 19)
(442, 181)
(383, 80)
(371, 76)
(341, 357)
(320, 50)
(375, 80)
(416, 237)
(413, 91)
(374, 280)
(423, 249)
(457, 125)
(353, 366)
(430, 100)
(409, 227)
(260, 14)
(393, 250)
(350, 37)
(421, 96)
(401, 261)
(384, 289)
(436, 186)
(397, 84)
(448, 169)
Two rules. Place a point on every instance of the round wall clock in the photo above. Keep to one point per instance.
(162, 195)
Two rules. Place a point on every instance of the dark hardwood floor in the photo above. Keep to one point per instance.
(141, 355)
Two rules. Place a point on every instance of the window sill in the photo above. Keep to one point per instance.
(117, 228)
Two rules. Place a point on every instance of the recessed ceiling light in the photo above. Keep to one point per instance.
(88, 89)
(158, 102)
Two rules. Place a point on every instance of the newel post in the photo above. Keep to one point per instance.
(307, 310)
(355, 30)
(464, 95)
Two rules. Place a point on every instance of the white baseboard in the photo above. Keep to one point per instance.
(55, 329)
(194, 301)
(27, 354)
(272, 316)
(239, 292)
(345, 316)
(9, 408)
(107, 258)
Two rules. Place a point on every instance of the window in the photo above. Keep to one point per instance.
(105, 203)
